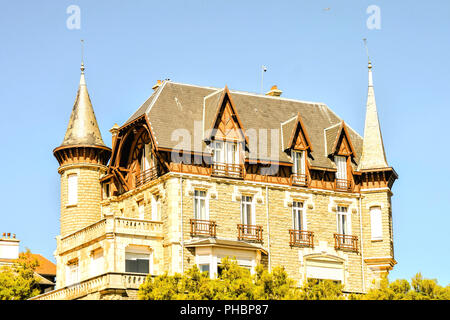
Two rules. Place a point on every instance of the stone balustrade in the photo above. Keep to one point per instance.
(108, 226)
(110, 280)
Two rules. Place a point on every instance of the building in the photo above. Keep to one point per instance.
(200, 173)
(45, 272)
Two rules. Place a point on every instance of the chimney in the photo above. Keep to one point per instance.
(157, 85)
(274, 91)
(9, 247)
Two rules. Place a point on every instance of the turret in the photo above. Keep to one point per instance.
(82, 157)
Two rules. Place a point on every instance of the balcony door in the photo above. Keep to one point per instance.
(299, 162)
(247, 214)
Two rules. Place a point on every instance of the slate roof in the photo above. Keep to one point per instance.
(183, 107)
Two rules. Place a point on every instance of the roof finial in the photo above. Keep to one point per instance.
(82, 56)
(370, 63)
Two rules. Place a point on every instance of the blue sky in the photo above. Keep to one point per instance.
(311, 54)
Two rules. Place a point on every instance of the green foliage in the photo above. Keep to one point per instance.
(315, 289)
(419, 289)
(17, 282)
(235, 283)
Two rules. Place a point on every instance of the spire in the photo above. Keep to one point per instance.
(83, 128)
(373, 155)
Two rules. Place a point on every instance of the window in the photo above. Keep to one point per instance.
(342, 223)
(297, 212)
(155, 215)
(298, 158)
(72, 189)
(246, 210)
(97, 262)
(204, 267)
(341, 164)
(106, 190)
(225, 152)
(376, 223)
(72, 273)
(200, 210)
(137, 262)
(141, 210)
(147, 158)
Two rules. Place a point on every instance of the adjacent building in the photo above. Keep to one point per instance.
(200, 173)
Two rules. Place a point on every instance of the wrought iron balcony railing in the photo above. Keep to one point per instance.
(203, 228)
(301, 238)
(250, 232)
(345, 242)
(146, 176)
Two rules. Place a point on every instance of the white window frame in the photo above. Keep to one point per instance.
(341, 213)
(247, 201)
(223, 153)
(341, 165)
(298, 216)
(72, 189)
(97, 262)
(376, 223)
(141, 210)
(72, 273)
(199, 196)
(132, 252)
(147, 158)
(299, 163)
(155, 208)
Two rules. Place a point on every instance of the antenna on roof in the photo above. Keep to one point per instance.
(263, 69)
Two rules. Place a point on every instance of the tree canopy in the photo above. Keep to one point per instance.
(234, 283)
(17, 281)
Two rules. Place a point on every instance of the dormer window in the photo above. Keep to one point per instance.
(342, 182)
(148, 166)
(226, 159)
(299, 168)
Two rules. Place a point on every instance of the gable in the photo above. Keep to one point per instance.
(299, 137)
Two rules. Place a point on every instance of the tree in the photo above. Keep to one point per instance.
(235, 283)
(400, 289)
(17, 282)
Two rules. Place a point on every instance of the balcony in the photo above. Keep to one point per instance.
(111, 280)
(203, 228)
(343, 185)
(146, 176)
(227, 170)
(346, 242)
(299, 179)
(250, 232)
(301, 238)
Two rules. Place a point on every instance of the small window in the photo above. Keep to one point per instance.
(97, 262)
(376, 223)
(298, 158)
(204, 267)
(137, 262)
(200, 210)
(297, 212)
(246, 210)
(155, 213)
(72, 273)
(141, 210)
(72, 189)
(342, 220)
(341, 164)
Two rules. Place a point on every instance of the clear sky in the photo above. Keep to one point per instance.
(313, 51)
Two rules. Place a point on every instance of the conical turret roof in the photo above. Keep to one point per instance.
(373, 155)
(83, 128)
